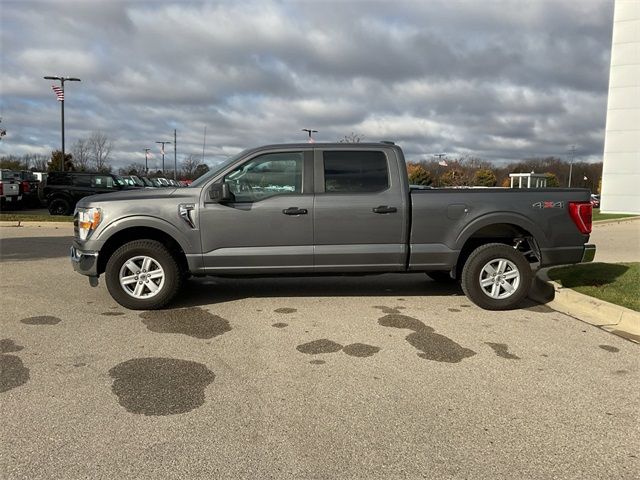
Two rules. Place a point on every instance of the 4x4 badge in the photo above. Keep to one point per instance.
(548, 205)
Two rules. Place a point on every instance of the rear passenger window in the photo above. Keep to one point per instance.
(355, 171)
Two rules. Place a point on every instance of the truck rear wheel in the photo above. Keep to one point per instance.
(496, 277)
(143, 275)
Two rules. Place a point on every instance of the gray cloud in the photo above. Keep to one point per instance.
(500, 80)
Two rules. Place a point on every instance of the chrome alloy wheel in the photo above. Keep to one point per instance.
(499, 278)
(141, 277)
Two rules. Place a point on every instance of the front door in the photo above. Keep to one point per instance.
(268, 227)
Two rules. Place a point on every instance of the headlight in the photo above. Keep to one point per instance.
(88, 220)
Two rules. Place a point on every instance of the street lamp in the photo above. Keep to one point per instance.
(146, 160)
(310, 131)
(162, 151)
(572, 150)
(60, 95)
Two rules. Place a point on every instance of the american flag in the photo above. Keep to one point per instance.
(162, 149)
(59, 92)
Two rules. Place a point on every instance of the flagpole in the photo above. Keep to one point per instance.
(175, 155)
(62, 80)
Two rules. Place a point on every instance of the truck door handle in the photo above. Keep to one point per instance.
(294, 211)
(385, 209)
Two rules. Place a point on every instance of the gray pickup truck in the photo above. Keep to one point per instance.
(313, 209)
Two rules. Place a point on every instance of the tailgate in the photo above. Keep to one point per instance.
(10, 189)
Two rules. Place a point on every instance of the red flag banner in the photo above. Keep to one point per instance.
(59, 92)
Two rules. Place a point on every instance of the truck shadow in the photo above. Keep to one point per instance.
(212, 290)
(34, 248)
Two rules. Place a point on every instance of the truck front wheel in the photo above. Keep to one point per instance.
(143, 275)
(496, 277)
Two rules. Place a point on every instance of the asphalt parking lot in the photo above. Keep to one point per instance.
(369, 377)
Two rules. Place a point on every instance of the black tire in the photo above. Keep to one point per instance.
(169, 287)
(59, 206)
(440, 276)
(479, 264)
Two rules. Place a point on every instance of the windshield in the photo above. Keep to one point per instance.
(120, 181)
(217, 168)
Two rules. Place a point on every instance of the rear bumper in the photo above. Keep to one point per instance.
(567, 255)
(85, 263)
(589, 253)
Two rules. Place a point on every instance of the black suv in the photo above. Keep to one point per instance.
(64, 189)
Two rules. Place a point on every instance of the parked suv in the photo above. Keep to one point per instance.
(64, 189)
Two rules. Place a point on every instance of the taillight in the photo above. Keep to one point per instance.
(581, 213)
(1, 189)
(26, 188)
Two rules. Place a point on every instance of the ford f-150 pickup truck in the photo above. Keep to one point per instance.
(311, 209)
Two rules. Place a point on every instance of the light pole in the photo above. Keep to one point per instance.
(162, 151)
(60, 94)
(310, 131)
(146, 160)
(572, 150)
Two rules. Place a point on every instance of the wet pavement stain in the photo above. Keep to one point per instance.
(9, 346)
(317, 362)
(43, 320)
(502, 350)
(453, 310)
(79, 364)
(360, 350)
(194, 321)
(609, 348)
(160, 386)
(13, 373)
(280, 325)
(388, 310)
(112, 314)
(319, 346)
(285, 310)
(432, 346)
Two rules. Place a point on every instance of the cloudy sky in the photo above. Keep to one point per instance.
(501, 80)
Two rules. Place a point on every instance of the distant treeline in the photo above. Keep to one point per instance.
(478, 172)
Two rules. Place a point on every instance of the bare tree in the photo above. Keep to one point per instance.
(81, 154)
(99, 147)
(352, 138)
(189, 166)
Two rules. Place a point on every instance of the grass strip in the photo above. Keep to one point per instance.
(617, 283)
(15, 217)
(608, 216)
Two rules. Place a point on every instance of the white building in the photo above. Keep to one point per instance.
(621, 170)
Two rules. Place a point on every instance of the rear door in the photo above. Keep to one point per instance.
(360, 210)
(268, 228)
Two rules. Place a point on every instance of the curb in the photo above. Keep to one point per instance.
(21, 223)
(612, 318)
(615, 220)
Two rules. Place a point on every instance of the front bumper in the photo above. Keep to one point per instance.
(85, 263)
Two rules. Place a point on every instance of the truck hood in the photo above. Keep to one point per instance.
(128, 195)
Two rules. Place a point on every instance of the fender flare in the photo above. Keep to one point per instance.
(496, 218)
(156, 223)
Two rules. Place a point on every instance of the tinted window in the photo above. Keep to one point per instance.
(355, 172)
(267, 175)
(82, 180)
(59, 179)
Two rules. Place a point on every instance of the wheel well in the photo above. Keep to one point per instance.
(506, 233)
(140, 233)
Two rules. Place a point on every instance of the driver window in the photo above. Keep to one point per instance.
(266, 176)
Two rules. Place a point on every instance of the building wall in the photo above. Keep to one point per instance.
(621, 170)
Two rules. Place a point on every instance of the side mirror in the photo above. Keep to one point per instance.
(221, 193)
